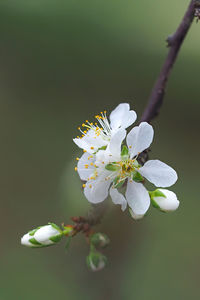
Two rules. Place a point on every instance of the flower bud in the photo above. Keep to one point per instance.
(99, 240)
(164, 200)
(42, 236)
(135, 216)
(96, 261)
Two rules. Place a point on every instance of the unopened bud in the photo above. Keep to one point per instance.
(164, 200)
(42, 236)
(99, 240)
(96, 261)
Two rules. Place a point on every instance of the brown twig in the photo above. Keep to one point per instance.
(155, 101)
(174, 42)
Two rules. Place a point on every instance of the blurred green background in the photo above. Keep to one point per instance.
(61, 62)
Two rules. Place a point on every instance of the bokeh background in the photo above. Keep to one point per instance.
(61, 62)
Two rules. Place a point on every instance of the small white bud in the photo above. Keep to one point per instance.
(165, 200)
(96, 261)
(42, 236)
(99, 239)
(135, 216)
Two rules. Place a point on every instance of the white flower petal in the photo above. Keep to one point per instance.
(97, 190)
(122, 116)
(25, 240)
(118, 198)
(43, 234)
(114, 148)
(140, 138)
(158, 173)
(84, 167)
(134, 216)
(91, 142)
(137, 197)
(81, 143)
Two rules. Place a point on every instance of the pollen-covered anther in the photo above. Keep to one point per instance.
(90, 186)
(75, 168)
(84, 185)
(77, 158)
(92, 148)
(86, 166)
(91, 164)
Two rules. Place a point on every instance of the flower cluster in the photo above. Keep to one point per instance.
(110, 164)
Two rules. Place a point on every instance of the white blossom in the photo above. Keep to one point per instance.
(97, 135)
(105, 171)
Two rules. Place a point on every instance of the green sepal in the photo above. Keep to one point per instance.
(112, 167)
(117, 183)
(156, 193)
(55, 226)
(102, 148)
(124, 153)
(67, 230)
(32, 232)
(56, 238)
(34, 242)
(136, 176)
(154, 204)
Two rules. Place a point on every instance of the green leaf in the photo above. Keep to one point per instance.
(136, 176)
(112, 167)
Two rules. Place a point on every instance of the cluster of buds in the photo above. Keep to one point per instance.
(51, 234)
(96, 261)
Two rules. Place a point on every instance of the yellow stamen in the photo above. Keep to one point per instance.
(84, 185)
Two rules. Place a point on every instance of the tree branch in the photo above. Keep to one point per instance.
(155, 101)
(175, 42)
